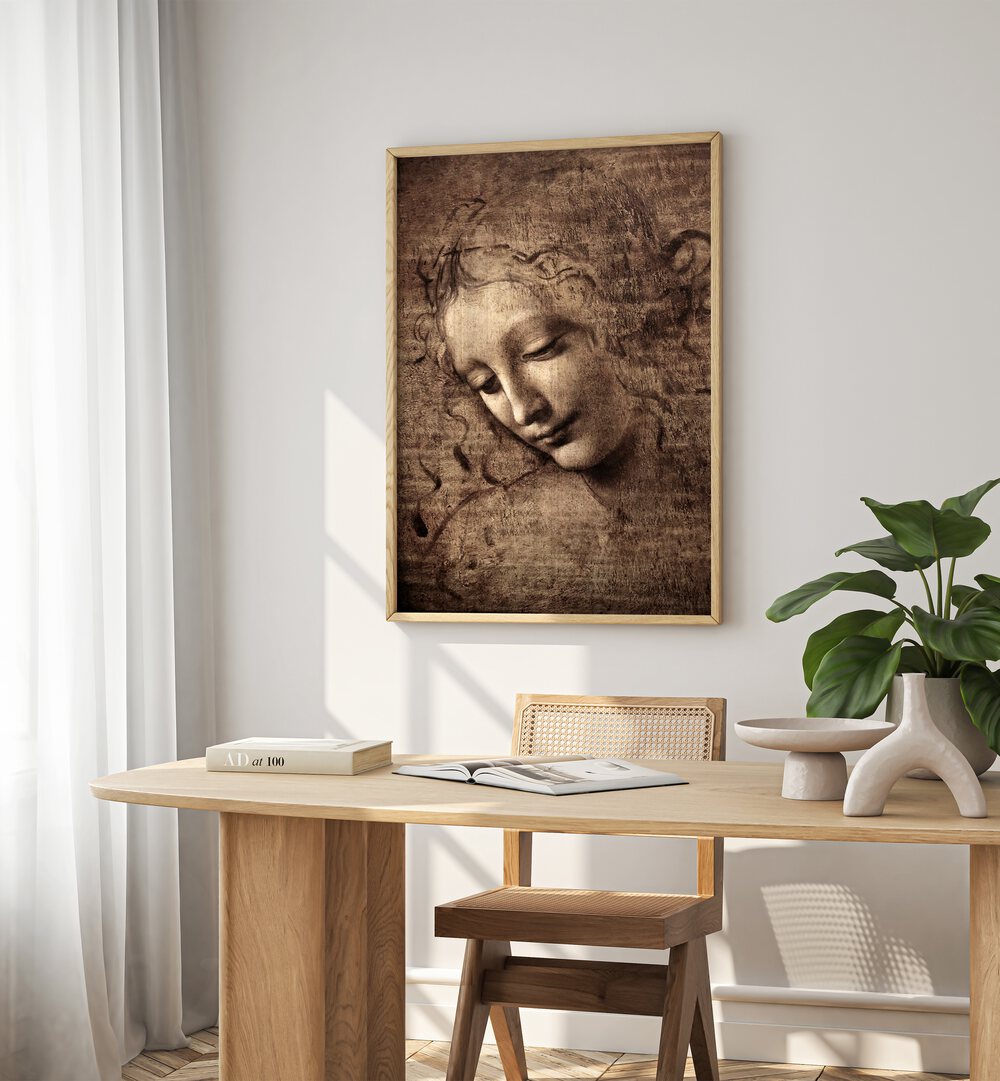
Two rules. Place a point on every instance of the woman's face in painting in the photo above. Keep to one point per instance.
(531, 354)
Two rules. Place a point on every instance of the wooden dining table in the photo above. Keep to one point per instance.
(312, 891)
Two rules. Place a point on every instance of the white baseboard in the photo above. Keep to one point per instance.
(768, 1024)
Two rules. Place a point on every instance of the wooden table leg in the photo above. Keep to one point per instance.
(984, 935)
(365, 952)
(311, 950)
(271, 971)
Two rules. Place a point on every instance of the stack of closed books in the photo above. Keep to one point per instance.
(343, 757)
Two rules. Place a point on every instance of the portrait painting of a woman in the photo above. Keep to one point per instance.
(554, 361)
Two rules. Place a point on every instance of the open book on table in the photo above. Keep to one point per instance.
(559, 777)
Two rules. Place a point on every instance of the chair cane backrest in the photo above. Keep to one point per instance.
(691, 729)
(638, 728)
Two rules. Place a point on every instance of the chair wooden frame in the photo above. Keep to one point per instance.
(495, 983)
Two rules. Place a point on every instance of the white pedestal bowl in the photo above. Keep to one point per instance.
(815, 768)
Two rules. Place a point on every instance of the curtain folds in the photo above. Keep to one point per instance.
(94, 945)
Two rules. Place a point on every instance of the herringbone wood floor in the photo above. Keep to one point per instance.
(427, 1061)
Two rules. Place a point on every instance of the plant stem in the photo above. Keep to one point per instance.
(909, 614)
(927, 589)
(947, 592)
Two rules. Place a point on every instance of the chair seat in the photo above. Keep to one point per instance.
(580, 917)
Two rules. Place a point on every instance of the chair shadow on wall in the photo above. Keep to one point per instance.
(785, 913)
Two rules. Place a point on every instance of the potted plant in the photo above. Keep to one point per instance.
(850, 663)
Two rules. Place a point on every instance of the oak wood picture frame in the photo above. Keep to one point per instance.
(394, 155)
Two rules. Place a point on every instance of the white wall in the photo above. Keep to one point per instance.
(861, 156)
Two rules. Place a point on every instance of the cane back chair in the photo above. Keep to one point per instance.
(495, 983)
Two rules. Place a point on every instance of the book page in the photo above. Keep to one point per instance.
(468, 769)
(486, 763)
(571, 777)
(561, 773)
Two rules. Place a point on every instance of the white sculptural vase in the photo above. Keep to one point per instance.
(944, 700)
(917, 743)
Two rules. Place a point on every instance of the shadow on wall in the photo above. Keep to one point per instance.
(845, 935)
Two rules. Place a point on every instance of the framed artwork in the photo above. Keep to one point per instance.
(554, 381)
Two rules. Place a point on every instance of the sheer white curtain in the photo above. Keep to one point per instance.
(91, 918)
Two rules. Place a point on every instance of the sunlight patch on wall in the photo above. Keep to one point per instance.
(354, 486)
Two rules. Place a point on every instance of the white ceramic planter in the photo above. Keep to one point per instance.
(944, 700)
(917, 743)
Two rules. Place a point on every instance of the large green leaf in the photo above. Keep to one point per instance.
(981, 695)
(854, 677)
(886, 552)
(973, 636)
(923, 530)
(990, 586)
(966, 504)
(867, 622)
(796, 602)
